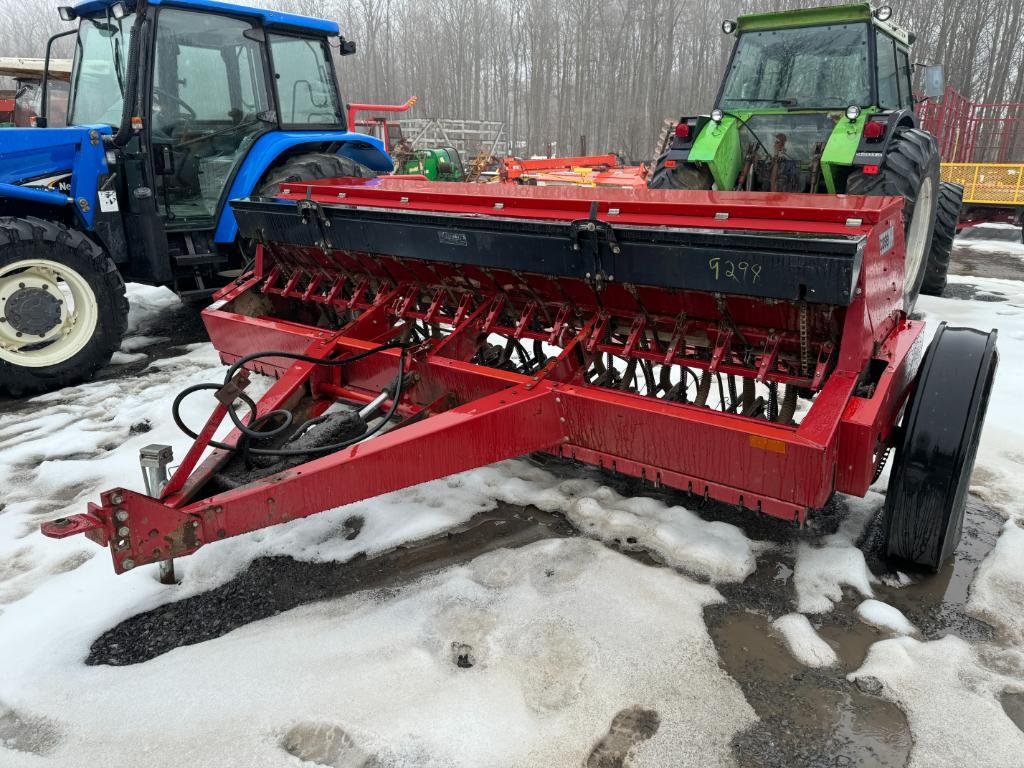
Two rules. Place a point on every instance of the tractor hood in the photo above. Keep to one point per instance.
(30, 157)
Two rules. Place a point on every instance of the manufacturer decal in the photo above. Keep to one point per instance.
(108, 201)
(453, 238)
(885, 241)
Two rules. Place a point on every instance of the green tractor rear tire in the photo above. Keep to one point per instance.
(909, 169)
(947, 214)
(62, 306)
(682, 176)
(309, 167)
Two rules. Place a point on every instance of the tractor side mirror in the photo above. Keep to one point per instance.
(934, 81)
(347, 47)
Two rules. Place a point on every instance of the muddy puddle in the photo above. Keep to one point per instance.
(988, 262)
(808, 716)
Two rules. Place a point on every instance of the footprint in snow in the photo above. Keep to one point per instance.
(629, 727)
(24, 733)
(326, 744)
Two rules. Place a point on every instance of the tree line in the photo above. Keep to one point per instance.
(608, 70)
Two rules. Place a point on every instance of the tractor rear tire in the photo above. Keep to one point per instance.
(909, 169)
(682, 176)
(947, 214)
(937, 446)
(310, 167)
(57, 285)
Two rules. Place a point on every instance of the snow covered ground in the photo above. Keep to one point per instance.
(521, 657)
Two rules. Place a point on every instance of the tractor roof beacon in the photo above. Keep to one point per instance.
(175, 107)
(817, 100)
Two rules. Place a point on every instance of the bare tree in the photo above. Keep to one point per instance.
(610, 70)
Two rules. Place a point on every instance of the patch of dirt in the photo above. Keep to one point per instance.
(272, 585)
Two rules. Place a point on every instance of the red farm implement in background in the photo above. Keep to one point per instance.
(388, 131)
(982, 150)
(747, 348)
(587, 171)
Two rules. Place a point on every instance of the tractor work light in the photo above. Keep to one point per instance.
(852, 113)
(884, 13)
(717, 115)
(118, 11)
(67, 13)
(682, 130)
(728, 26)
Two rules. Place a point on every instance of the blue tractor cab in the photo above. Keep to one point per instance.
(175, 108)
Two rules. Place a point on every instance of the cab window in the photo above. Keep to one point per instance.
(210, 103)
(888, 82)
(905, 78)
(304, 77)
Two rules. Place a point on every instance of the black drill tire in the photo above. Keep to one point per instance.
(936, 447)
(309, 167)
(27, 238)
(682, 176)
(947, 214)
(910, 161)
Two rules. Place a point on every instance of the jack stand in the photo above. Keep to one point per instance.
(154, 459)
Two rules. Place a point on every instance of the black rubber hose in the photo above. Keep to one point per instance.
(330, 448)
(252, 434)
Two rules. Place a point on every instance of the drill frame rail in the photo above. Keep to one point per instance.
(625, 296)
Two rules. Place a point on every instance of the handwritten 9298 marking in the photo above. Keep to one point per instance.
(742, 272)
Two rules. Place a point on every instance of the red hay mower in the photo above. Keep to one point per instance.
(748, 348)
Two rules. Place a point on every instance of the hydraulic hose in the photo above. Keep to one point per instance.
(248, 430)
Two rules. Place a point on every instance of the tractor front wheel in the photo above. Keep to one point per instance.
(679, 176)
(947, 214)
(937, 445)
(909, 169)
(62, 306)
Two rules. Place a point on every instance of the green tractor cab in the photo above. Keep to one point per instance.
(817, 101)
(437, 164)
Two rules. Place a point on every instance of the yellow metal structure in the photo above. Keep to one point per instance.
(988, 183)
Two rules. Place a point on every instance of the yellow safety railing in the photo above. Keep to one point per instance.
(992, 183)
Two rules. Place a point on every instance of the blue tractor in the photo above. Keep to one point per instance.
(176, 107)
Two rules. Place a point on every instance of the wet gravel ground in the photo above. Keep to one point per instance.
(808, 717)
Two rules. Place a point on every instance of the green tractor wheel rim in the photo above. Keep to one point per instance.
(917, 234)
(48, 313)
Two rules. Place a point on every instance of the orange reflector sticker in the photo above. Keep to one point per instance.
(670, 163)
(767, 444)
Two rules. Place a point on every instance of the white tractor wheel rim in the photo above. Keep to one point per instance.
(917, 234)
(60, 339)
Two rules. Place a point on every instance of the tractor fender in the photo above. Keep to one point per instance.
(269, 148)
(718, 146)
(870, 153)
(30, 158)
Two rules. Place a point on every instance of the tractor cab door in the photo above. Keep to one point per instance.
(210, 102)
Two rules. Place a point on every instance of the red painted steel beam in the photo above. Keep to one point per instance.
(501, 426)
(776, 211)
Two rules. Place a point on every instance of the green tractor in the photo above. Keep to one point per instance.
(821, 100)
(437, 164)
